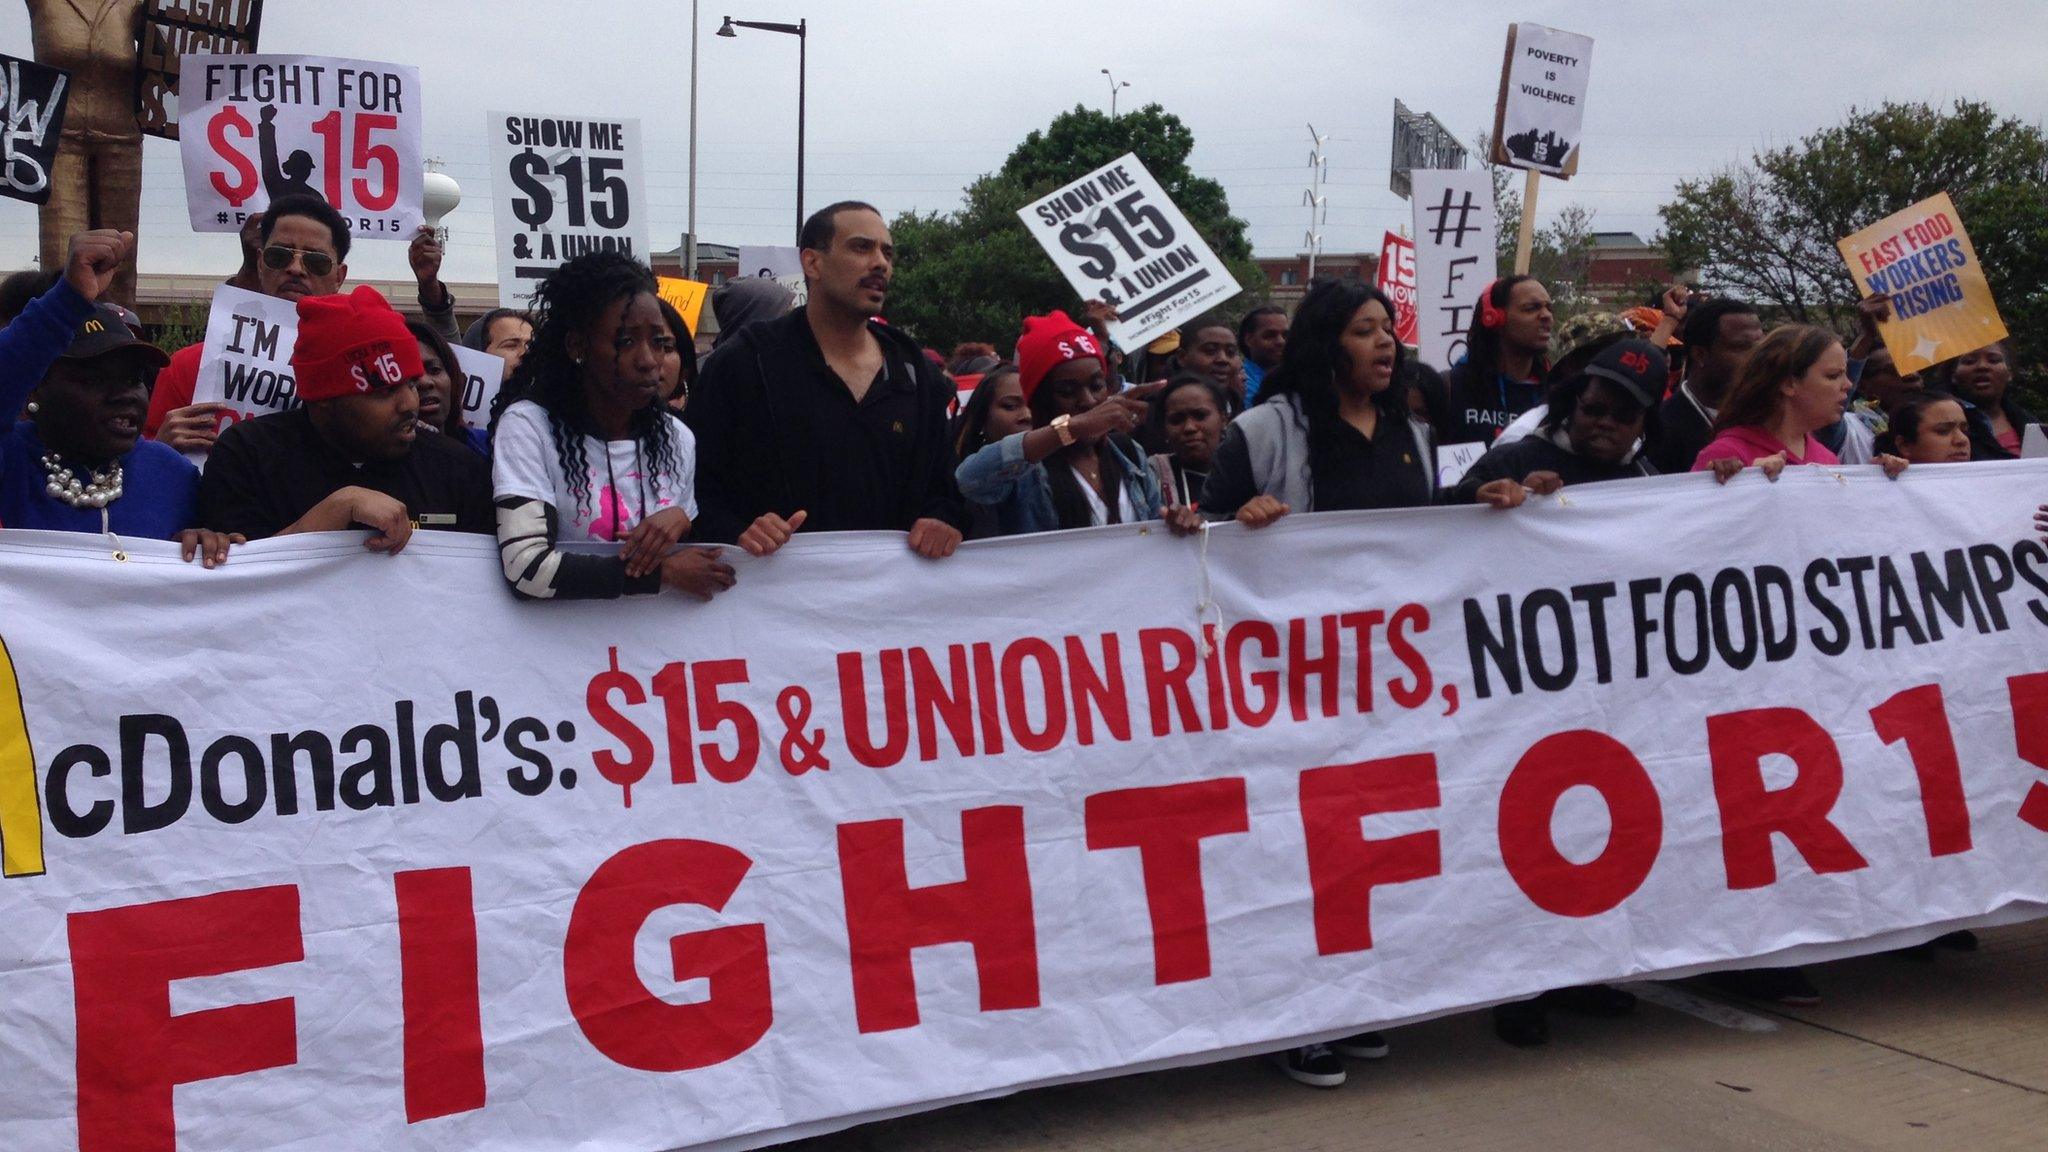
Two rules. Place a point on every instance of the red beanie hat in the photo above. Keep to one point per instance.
(1048, 342)
(350, 345)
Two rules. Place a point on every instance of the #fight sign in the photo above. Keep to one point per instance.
(1941, 303)
(33, 105)
(1396, 278)
(1120, 240)
(1542, 105)
(564, 186)
(271, 126)
(1455, 228)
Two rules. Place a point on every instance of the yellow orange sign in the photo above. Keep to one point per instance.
(21, 813)
(686, 297)
(1941, 303)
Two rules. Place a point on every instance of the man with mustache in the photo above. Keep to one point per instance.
(826, 418)
(302, 245)
(351, 454)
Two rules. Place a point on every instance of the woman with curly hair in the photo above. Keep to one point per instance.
(584, 449)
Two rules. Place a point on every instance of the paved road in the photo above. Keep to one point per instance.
(1931, 1057)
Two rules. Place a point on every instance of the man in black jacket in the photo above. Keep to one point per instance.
(1718, 334)
(827, 418)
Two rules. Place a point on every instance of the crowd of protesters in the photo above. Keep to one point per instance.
(821, 418)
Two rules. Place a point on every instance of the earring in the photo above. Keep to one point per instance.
(34, 407)
(576, 360)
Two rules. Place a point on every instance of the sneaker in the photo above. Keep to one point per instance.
(1522, 1024)
(1315, 1066)
(1791, 988)
(1960, 941)
(1364, 1046)
(1600, 1001)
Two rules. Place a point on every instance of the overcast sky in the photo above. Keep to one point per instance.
(909, 100)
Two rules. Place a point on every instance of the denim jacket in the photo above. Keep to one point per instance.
(1021, 492)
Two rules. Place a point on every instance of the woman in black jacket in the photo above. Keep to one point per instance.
(1594, 431)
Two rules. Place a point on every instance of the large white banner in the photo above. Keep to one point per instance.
(256, 127)
(565, 185)
(1119, 239)
(390, 860)
(1455, 256)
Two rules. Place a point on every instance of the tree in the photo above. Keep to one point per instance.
(975, 273)
(1766, 230)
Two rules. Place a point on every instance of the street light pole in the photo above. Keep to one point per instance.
(690, 242)
(801, 30)
(1114, 84)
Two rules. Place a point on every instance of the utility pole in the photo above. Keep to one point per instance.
(1318, 205)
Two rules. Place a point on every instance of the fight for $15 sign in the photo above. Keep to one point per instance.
(565, 186)
(255, 127)
(1120, 240)
(1941, 303)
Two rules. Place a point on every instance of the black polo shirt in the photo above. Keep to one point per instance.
(1351, 472)
(264, 474)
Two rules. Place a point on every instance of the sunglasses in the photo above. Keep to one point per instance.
(277, 258)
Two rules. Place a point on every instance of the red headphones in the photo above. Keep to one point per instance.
(1490, 314)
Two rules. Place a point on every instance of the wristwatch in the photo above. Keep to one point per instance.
(1059, 427)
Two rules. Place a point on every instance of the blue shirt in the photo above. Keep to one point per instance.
(34, 340)
(1254, 379)
(160, 491)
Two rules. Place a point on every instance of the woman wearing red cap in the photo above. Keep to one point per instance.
(1076, 467)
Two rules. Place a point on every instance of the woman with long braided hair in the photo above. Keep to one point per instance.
(584, 450)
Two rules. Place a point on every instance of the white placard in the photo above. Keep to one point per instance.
(774, 261)
(246, 362)
(1543, 99)
(1454, 460)
(564, 186)
(1455, 231)
(479, 377)
(256, 127)
(1119, 239)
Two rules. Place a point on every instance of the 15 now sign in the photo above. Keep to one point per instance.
(565, 186)
(1119, 239)
(260, 127)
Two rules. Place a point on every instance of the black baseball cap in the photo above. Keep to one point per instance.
(106, 332)
(1638, 366)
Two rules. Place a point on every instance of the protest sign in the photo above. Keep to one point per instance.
(636, 875)
(479, 376)
(1454, 460)
(174, 29)
(1396, 278)
(685, 296)
(1455, 229)
(564, 186)
(271, 126)
(1120, 240)
(1536, 123)
(773, 261)
(34, 126)
(246, 362)
(1941, 303)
